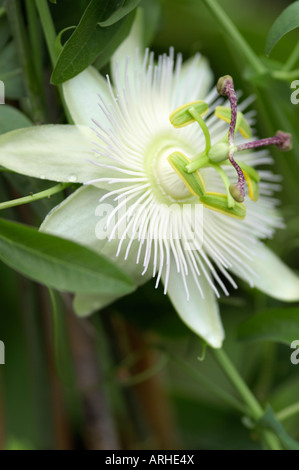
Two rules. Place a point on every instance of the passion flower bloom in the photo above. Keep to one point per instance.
(137, 148)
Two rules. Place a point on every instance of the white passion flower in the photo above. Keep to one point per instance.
(138, 149)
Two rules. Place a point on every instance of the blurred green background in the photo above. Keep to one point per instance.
(106, 382)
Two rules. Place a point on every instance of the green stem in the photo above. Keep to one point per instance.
(237, 381)
(48, 27)
(15, 17)
(34, 197)
(55, 326)
(288, 412)
(200, 162)
(294, 56)
(35, 41)
(234, 34)
(64, 373)
(50, 36)
(230, 200)
(203, 126)
(253, 405)
(285, 74)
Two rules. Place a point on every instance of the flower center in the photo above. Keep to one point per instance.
(166, 183)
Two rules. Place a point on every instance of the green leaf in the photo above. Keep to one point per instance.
(11, 119)
(286, 22)
(59, 263)
(126, 7)
(120, 32)
(89, 41)
(279, 324)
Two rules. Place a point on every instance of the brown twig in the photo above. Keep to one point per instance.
(100, 432)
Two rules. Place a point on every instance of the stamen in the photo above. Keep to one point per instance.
(282, 140)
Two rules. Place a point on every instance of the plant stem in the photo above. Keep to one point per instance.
(230, 200)
(18, 30)
(99, 427)
(200, 162)
(34, 197)
(288, 412)
(294, 56)
(196, 115)
(234, 34)
(55, 331)
(285, 74)
(48, 27)
(50, 36)
(253, 405)
(35, 41)
(237, 381)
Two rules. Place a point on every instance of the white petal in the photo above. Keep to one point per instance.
(272, 276)
(81, 94)
(196, 80)
(201, 315)
(54, 152)
(128, 48)
(79, 218)
(75, 218)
